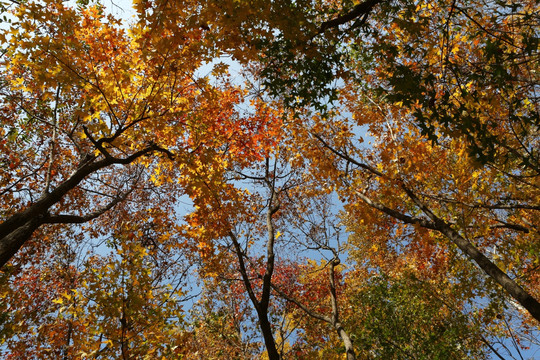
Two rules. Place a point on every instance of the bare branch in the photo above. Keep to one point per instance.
(76, 219)
(347, 157)
(359, 11)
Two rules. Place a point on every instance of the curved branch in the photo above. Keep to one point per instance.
(78, 219)
(360, 10)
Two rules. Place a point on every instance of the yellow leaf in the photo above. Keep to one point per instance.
(58, 301)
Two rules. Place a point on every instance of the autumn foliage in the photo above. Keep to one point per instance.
(282, 179)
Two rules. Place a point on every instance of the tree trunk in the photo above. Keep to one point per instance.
(349, 349)
(266, 329)
(499, 276)
(15, 239)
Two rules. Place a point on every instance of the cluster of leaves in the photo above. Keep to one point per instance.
(477, 74)
(306, 242)
(404, 318)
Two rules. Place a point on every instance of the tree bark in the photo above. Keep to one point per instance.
(349, 349)
(14, 240)
(266, 329)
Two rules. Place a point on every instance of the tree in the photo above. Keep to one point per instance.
(314, 292)
(97, 118)
(224, 322)
(476, 77)
(100, 108)
(405, 318)
(124, 304)
(449, 98)
(248, 238)
(238, 223)
(440, 207)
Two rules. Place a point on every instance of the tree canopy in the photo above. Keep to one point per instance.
(270, 179)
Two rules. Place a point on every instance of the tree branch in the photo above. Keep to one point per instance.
(359, 10)
(513, 289)
(301, 306)
(243, 270)
(18, 228)
(76, 219)
(348, 158)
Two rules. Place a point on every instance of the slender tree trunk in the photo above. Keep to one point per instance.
(268, 336)
(349, 349)
(68, 341)
(261, 306)
(516, 291)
